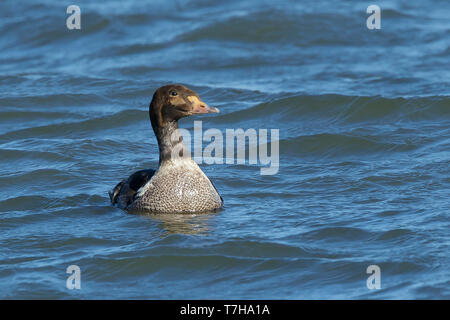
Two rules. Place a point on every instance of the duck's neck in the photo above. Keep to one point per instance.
(170, 142)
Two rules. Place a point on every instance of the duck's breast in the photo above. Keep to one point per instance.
(178, 187)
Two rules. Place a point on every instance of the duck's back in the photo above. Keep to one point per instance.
(177, 187)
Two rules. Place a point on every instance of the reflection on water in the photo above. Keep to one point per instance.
(183, 223)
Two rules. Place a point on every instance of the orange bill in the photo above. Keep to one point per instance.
(198, 106)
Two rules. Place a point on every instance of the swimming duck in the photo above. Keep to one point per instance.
(178, 185)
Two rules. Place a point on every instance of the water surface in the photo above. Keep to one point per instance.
(363, 116)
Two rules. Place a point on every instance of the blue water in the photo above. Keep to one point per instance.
(363, 118)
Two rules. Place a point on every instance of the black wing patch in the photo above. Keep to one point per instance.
(139, 178)
(126, 190)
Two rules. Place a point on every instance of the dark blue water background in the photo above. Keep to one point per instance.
(363, 117)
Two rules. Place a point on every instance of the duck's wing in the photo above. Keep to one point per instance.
(123, 193)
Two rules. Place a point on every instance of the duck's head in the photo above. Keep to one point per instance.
(173, 102)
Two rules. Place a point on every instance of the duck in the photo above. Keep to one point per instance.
(178, 185)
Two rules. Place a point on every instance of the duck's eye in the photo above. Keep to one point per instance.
(173, 93)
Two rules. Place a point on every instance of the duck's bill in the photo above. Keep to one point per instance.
(199, 107)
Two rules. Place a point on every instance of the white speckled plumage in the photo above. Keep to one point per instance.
(178, 186)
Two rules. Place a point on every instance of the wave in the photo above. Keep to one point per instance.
(279, 25)
(64, 129)
(346, 109)
(337, 144)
